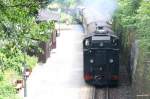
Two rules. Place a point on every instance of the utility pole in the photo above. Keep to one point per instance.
(59, 11)
(24, 74)
(25, 67)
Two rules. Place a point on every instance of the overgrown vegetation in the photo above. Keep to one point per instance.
(67, 9)
(132, 22)
(67, 3)
(68, 19)
(18, 32)
(133, 16)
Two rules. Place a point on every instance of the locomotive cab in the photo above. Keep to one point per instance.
(101, 58)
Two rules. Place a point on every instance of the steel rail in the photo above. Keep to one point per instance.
(107, 93)
(94, 93)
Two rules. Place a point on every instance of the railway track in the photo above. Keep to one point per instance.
(107, 93)
(123, 91)
(102, 93)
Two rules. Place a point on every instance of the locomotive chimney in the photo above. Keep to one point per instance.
(100, 30)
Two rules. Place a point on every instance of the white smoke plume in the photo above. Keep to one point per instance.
(101, 8)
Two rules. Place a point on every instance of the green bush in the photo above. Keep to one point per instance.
(66, 18)
(134, 18)
(18, 31)
(7, 90)
(31, 61)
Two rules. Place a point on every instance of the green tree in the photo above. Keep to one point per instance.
(18, 31)
(133, 16)
(67, 3)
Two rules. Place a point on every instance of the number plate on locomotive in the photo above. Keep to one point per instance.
(101, 38)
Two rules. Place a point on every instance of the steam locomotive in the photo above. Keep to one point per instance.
(100, 51)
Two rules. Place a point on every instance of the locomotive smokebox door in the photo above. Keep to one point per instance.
(100, 67)
(100, 58)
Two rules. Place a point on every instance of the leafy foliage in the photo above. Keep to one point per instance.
(7, 91)
(134, 18)
(19, 30)
(67, 3)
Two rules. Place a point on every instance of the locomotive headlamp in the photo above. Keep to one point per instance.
(87, 42)
(114, 42)
(100, 68)
(101, 44)
(91, 61)
(111, 60)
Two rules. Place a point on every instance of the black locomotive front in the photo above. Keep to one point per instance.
(101, 59)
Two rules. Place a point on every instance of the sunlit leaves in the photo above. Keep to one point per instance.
(143, 20)
(18, 29)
